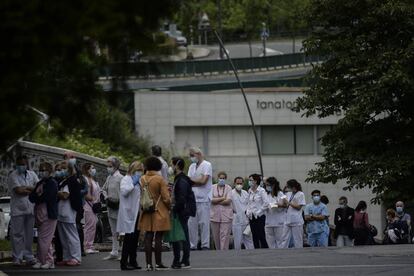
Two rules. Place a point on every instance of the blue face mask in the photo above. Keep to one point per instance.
(316, 199)
(136, 177)
(21, 169)
(64, 173)
(251, 183)
(194, 159)
(399, 209)
(93, 172)
(72, 161)
(221, 182)
(269, 188)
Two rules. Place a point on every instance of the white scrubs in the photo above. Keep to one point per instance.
(22, 215)
(203, 196)
(240, 220)
(293, 227)
(275, 220)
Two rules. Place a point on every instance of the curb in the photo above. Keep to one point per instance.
(5, 256)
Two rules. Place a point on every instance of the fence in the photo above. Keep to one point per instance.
(205, 67)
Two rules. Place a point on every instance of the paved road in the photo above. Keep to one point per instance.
(241, 50)
(374, 260)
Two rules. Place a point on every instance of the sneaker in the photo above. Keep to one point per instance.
(176, 266)
(37, 266)
(110, 257)
(31, 262)
(91, 251)
(185, 265)
(72, 262)
(160, 267)
(48, 266)
(149, 267)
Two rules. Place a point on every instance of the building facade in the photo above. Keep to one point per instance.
(218, 123)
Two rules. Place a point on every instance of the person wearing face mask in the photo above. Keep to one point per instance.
(44, 196)
(21, 183)
(239, 199)
(200, 173)
(256, 210)
(59, 176)
(127, 222)
(157, 152)
(396, 231)
(344, 223)
(91, 198)
(316, 214)
(403, 216)
(111, 190)
(275, 213)
(361, 224)
(71, 160)
(183, 206)
(293, 228)
(221, 213)
(69, 204)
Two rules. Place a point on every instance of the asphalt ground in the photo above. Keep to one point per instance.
(370, 260)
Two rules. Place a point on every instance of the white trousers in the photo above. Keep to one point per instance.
(21, 229)
(343, 240)
(115, 242)
(200, 221)
(239, 238)
(69, 238)
(274, 236)
(296, 232)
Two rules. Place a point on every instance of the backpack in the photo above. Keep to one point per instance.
(147, 201)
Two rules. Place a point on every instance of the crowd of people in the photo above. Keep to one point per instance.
(64, 200)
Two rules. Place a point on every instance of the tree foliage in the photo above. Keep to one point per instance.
(369, 75)
(49, 57)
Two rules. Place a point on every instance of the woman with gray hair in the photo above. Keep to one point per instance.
(111, 193)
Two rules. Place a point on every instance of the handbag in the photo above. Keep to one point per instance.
(176, 232)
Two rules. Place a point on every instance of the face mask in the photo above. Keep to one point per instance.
(92, 172)
(194, 159)
(288, 190)
(342, 206)
(251, 183)
(72, 161)
(21, 169)
(222, 182)
(58, 174)
(110, 170)
(269, 188)
(170, 171)
(316, 199)
(44, 174)
(136, 176)
(399, 209)
(239, 187)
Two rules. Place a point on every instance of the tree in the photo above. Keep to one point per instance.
(368, 74)
(49, 56)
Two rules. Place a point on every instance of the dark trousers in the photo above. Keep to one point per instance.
(257, 226)
(184, 244)
(58, 247)
(129, 249)
(79, 226)
(149, 237)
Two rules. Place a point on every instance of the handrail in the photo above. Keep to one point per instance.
(205, 67)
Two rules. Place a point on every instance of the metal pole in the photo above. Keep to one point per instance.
(219, 25)
(259, 153)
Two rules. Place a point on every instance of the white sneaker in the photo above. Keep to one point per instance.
(48, 266)
(37, 266)
(91, 251)
(110, 257)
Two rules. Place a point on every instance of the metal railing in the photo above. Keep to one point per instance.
(205, 67)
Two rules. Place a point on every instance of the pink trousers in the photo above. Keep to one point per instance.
(221, 234)
(46, 231)
(89, 228)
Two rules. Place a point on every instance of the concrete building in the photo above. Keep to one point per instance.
(218, 122)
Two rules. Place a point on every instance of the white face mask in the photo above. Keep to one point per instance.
(92, 172)
(239, 187)
(194, 159)
(72, 161)
(110, 170)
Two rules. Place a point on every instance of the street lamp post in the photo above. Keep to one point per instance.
(264, 35)
(219, 25)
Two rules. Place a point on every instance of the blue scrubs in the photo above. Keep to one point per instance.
(318, 231)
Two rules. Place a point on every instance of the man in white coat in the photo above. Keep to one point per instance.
(21, 183)
(241, 233)
(200, 172)
(111, 192)
(129, 200)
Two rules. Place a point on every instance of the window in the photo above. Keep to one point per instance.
(304, 139)
(278, 140)
(321, 131)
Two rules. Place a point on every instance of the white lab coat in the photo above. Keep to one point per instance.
(240, 220)
(128, 205)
